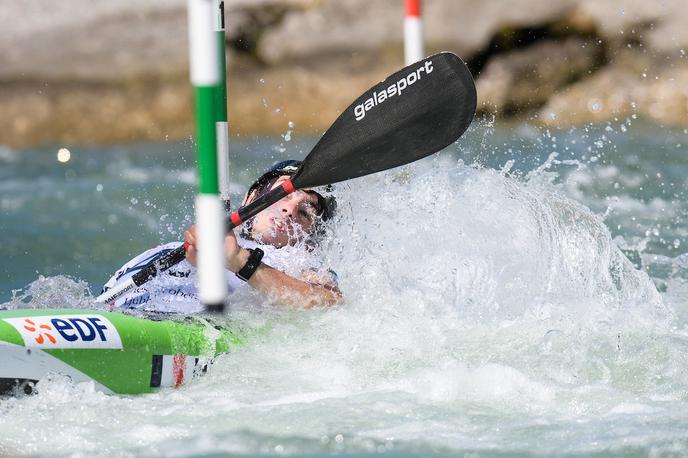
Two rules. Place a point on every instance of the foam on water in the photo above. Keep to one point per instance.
(484, 312)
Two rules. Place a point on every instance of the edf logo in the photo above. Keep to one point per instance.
(73, 329)
(67, 331)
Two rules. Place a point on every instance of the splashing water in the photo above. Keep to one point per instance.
(486, 311)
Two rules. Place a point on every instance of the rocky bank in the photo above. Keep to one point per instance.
(78, 71)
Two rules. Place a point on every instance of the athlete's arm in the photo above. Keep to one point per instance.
(277, 285)
(286, 289)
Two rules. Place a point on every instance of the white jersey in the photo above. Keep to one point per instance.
(174, 290)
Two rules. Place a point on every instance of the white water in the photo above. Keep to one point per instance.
(483, 313)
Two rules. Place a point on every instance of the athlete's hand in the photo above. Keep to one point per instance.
(235, 256)
(190, 242)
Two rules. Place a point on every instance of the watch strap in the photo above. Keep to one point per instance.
(251, 265)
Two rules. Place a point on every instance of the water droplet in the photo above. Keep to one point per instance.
(595, 105)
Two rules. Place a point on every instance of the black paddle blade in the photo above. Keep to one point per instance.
(416, 112)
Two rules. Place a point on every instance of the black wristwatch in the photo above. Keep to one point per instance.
(251, 265)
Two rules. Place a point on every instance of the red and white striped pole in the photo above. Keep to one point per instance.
(413, 33)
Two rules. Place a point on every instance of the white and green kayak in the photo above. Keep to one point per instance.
(121, 354)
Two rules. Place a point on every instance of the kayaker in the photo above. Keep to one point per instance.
(272, 253)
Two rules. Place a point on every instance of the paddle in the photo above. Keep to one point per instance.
(415, 112)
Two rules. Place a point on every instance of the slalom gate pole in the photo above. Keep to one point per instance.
(413, 32)
(221, 127)
(205, 78)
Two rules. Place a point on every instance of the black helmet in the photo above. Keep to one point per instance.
(328, 204)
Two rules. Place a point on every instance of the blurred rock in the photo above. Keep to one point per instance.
(617, 92)
(91, 72)
(608, 94)
(529, 77)
(464, 27)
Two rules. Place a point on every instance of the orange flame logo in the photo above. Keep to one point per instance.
(42, 331)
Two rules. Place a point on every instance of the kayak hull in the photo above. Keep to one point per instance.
(120, 354)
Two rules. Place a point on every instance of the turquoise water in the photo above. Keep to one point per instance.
(488, 308)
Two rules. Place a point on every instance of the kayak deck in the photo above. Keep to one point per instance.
(119, 353)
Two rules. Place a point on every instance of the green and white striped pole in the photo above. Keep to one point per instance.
(205, 77)
(221, 128)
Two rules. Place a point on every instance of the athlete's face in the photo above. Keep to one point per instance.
(288, 221)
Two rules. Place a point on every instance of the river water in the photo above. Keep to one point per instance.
(489, 310)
